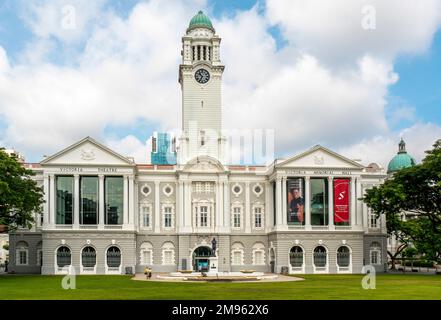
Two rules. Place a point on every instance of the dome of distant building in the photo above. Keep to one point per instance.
(200, 20)
(401, 160)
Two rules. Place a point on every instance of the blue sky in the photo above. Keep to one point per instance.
(411, 105)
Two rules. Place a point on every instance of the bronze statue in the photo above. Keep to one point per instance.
(213, 246)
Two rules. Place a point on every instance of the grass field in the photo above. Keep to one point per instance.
(314, 287)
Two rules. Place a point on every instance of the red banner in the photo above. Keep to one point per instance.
(341, 200)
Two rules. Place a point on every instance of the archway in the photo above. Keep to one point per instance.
(201, 257)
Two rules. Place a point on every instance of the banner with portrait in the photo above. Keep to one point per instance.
(295, 188)
(341, 200)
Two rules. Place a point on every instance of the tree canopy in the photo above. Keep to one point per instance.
(415, 192)
(20, 197)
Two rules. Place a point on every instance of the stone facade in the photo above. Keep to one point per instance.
(168, 215)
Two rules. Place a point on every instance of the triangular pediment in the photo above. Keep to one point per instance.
(87, 152)
(319, 157)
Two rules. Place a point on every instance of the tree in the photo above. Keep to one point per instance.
(415, 191)
(20, 197)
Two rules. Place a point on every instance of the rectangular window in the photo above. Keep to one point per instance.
(65, 190)
(258, 257)
(258, 217)
(203, 216)
(114, 199)
(147, 257)
(167, 217)
(295, 188)
(168, 257)
(208, 187)
(373, 221)
(237, 258)
(319, 201)
(236, 217)
(145, 216)
(22, 257)
(89, 200)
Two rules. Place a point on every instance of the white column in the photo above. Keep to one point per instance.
(307, 203)
(157, 206)
(279, 201)
(52, 199)
(126, 201)
(284, 204)
(353, 200)
(219, 207)
(220, 212)
(227, 207)
(180, 206)
(102, 204)
(188, 206)
(47, 199)
(247, 208)
(76, 220)
(131, 201)
(365, 216)
(359, 194)
(268, 207)
(331, 204)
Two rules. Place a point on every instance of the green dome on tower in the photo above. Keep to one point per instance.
(200, 20)
(401, 160)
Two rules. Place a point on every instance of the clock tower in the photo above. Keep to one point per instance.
(200, 76)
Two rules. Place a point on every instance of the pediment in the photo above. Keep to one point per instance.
(87, 152)
(319, 157)
(204, 164)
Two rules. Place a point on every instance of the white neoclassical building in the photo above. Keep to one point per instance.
(105, 214)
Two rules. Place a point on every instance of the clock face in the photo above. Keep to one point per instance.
(202, 76)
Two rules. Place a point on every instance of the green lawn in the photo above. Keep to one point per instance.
(314, 287)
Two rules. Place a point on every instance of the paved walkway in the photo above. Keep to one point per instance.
(166, 277)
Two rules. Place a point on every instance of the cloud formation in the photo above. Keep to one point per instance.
(327, 85)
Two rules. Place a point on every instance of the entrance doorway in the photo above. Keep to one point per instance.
(201, 257)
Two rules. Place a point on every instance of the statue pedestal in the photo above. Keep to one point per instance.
(213, 265)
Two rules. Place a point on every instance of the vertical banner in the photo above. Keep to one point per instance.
(296, 205)
(341, 200)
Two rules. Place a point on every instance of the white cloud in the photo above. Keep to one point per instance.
(329, 85)
(332, 30)
(381, 148)
(65, 20)
(130, 146)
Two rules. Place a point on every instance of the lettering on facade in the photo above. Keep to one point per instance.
(107, 170)
(318, 172)
(71, 169)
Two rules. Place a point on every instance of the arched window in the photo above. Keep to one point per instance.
(258, 254)
(146, 254)
(375, 253)
(168, 253)
(21, 254)
(113, 257)
(296, 257)
(63, 257)
(237, 254)
(320, 257)
(343, 257)
(88, 257)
